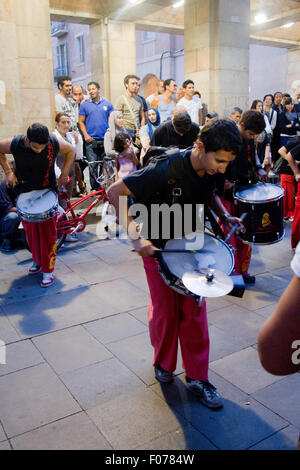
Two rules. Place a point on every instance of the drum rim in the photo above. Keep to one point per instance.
(28, 215)
(265, 243)
(255, 201)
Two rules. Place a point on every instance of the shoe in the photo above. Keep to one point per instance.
(48, 280)
(291, 219)
(71, 237)
(34, 269)
(206, 392)
(162, 375)
(6, 245)
(248, 279)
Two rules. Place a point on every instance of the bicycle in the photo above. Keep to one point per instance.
(69, 222)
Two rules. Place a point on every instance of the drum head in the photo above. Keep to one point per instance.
(215, 254)
(260, 193)
(36, 202)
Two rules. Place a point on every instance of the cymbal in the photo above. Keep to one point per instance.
(207, 282)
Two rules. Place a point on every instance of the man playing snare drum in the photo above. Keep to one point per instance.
(172, 315)
(34, 156)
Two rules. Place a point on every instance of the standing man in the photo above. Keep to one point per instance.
(34, 156)
(191, 103)
(131, 108)
(179, 131)
(173, 316)
(244, 170)
(93, 122)
(165, 103)
(236, 114)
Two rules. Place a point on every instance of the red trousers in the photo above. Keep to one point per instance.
(41, 238)
(173, 316)
(287, 183)
(242, 251)
(295, 237)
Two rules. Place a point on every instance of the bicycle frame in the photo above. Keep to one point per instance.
(78, 223)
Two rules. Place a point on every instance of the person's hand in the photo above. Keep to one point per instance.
(230, 222)
(75, 135)
(62, 180)
(88, 138)
(228, 184)
(11, 179)
(297, 177)
(143, 247)
(261, 174)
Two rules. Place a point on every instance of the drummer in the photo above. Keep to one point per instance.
(245, 169)
(34, 155)
(171, 315)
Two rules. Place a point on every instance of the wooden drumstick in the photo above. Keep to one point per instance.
(235, 227)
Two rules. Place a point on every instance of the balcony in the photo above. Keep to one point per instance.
(58, 29)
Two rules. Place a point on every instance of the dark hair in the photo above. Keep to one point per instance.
(221, 134)
(94, 83)
(62, 79)
(119, 141)
(38, 133)
(128, 77)
(277, 93)
(182, 122)
(254, 104)
(187, 82)
(253, 121)
(60, 115)
(286, 95)
(269, 94)
(236, 109)
(288, 101)
(197, 93)
(167, 82)
(212, 115)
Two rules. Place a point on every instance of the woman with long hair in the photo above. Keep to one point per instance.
(146, 132)
(263, 140)
(116, 125)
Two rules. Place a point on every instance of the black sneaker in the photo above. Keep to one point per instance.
(206, 392)
(6, 245)
(248, 279)
(163, 375)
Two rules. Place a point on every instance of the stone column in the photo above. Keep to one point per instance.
(26, 71)
(108, 41)
(216, 38)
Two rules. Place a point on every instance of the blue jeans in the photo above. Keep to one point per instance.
(94, 152)
(9, 225)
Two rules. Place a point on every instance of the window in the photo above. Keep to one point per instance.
(62, 59)
(80, 49)
(148, 36)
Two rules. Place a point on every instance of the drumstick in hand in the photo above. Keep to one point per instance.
(235, 227)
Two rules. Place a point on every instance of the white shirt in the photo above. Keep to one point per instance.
(295, 263)
(192, 106)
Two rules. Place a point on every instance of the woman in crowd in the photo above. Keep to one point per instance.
(288, 120)
(269, 112)
(146, 132)
(262, 141)
(116, 125)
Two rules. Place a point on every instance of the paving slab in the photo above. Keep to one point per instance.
(184, 438)
(244, 370)
(8, 333)
(70, 349)
(133, 419)
(222, 344)
(5, 445)
(3, 437)
(286, 439)
(115, 327)
(75, 432)
(99, 383)
(20, 355)
(240, 424)
(283, 398)
(33, 397)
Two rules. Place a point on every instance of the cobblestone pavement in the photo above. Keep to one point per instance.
(79, 375)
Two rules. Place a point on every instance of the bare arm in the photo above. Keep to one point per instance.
(217, 207)
(69, 151)
(281, 330)
(81, 123)
(289, 158)
(117, 194)
(11, 179)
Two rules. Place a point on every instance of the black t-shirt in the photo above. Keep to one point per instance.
(292, 146)
(155, 185)
(34, 170)
(166, 136)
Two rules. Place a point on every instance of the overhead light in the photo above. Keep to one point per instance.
(288, 25)
(178, 4)
(260, 18)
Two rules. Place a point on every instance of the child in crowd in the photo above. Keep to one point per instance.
(126, 161)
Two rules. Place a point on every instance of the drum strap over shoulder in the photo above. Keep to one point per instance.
(176, 180)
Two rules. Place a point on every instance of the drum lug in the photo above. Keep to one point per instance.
(253, 239)
(199, 301)
(232, 249)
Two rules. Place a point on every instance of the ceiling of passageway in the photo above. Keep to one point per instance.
(161, 15)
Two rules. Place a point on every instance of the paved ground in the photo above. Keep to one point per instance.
(79, 374)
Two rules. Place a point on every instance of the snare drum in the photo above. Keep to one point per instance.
(263, 204)
(38, 205)
(216, 255)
